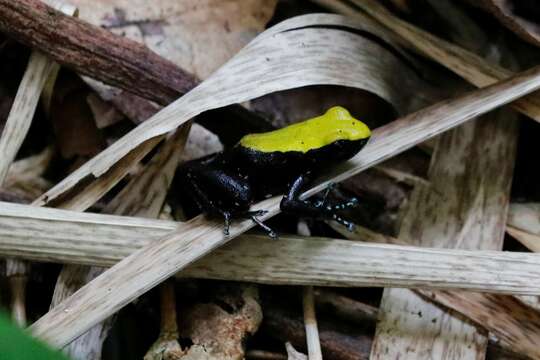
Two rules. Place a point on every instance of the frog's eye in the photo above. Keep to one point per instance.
(338, 113)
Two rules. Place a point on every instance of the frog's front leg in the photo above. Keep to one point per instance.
(292, 204)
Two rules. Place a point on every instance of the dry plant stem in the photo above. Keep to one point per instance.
(464, 63)
(169, 326)
(166, 346)
(18, 298)
(94, 51)
(22, 112)
(151, 265)
(310, 322)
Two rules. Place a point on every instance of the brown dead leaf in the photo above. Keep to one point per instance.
(197, 35)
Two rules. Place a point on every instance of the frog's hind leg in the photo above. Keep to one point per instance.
(197, 181)
(292, 204)
(351, 203)
(253, 215)
(205, 203)
(271, 233)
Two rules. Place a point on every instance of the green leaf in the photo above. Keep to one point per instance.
(17, 344)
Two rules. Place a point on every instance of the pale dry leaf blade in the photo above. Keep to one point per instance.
(104, 240)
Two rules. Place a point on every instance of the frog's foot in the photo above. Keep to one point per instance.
(348, 224)
(351, 203)
(292, 204)
(253, 215)
(318, 210)
(226, 222)
(271, 233)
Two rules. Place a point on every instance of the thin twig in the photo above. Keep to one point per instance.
(310, 322)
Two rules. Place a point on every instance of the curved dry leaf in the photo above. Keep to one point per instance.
(197, 35)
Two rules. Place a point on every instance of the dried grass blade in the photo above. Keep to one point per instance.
(104, 240)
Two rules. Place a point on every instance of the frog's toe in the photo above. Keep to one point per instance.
(348, 224)
(271, 233)
(353, 202)
(226, 223)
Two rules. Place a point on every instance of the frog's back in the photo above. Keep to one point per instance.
(276, 158)
(335, 125)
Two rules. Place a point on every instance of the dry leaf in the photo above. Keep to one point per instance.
(197, 35)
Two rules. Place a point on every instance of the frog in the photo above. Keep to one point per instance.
(283, 161)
